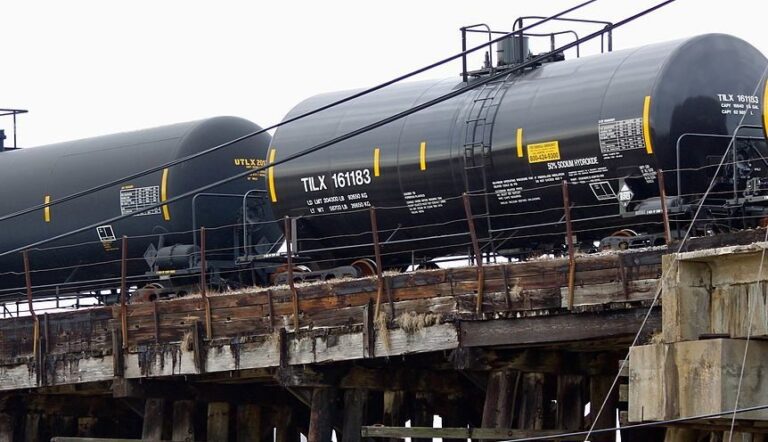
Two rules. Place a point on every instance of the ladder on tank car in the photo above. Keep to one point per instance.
(477, 144)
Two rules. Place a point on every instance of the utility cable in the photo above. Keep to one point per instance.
(287, 121)
(750, 309)
(750, 312)
(665, 272)
(351, 134)
(640, 425)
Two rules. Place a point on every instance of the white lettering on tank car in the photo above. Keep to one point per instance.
(738, 104)
(578, 162)
(420, 203)
(135, 199)
(617, 136)
(338, 180)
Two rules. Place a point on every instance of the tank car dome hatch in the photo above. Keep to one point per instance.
(512, 50)
(53, 171)
(605, 123)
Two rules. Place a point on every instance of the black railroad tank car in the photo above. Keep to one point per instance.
(35, 175)
(604, 123)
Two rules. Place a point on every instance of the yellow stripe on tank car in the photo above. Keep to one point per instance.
(765, 109)
(519, 142)
(423, 156)
(271, 176)
(47, 210)
(647, 125)
(164, 195)
(376, 160)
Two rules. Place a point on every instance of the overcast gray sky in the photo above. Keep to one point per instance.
(86, 68)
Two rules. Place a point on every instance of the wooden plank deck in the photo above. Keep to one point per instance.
(426, 311)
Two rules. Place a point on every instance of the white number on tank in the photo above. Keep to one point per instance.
(351, 178)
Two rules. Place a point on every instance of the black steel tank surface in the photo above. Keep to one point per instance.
(35, 175)
(765, 109)
(604, 123)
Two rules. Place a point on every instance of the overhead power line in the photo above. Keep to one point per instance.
(641, 425)
(284, 122)
(351, 134)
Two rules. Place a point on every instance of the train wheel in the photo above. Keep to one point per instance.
(364, 267)
(283, 271)
(149, 293)
(625, 232)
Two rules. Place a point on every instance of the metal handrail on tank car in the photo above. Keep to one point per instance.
(360, 234)
(247, 223)
(733, 137)
(95, 285)
(471, 28)
(527, 34)
(607, 26)
(489, 62)
(13, 113)
(367, 232)
(210, 195)
(518, 25)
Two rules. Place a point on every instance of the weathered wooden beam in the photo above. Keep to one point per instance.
(676, 434)
(400, 378)
(156, 319)
(90, 403)
(460, 433)
(33, 423)
(284, 422)
(123, 295)
(498, 409)
(92, 439)
(557, 328)
(531, 416)
(118, 361)
(322, 415)
(218, 421)
(154, 413)
(86, 426)
(377, 255)
(421, 413)
(124, 388)
(197, 346)
(454, 411)
(664, 212)
(183, 421)
(270, 311)
(248, 423)
(355, 404)
(394, 413)
(569, 240)
(570, 402)
(478, 256)
(369, 329)
(303, 376)
(289, 257)
(61, 425)
(204, 286)
(599, 390)
(742, 237)
(7, 427)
